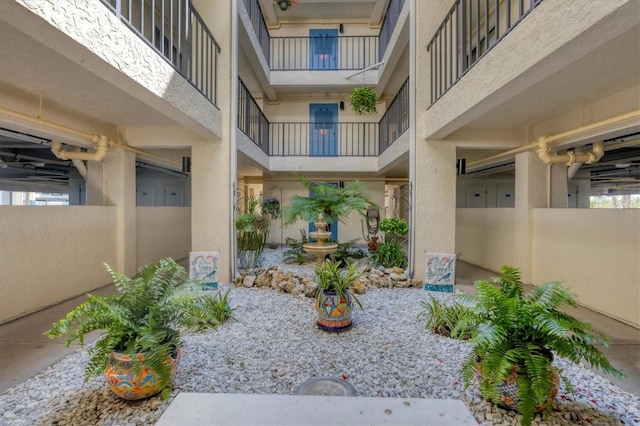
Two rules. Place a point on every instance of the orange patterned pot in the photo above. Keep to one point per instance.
(124, 382)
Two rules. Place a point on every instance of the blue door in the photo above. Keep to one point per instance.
(323, 49)
(323, 138)
(333, 226)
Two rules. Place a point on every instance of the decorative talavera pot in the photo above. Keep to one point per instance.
(124, 382)
(509, 392)
(334, 313)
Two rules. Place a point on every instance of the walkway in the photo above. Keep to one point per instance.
(25, 351)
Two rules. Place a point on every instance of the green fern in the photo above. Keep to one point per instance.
(518, 332)
(146, 316)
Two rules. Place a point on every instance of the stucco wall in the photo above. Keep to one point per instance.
(596, 252)
(52, 253)
(484, 237)
(162, 232)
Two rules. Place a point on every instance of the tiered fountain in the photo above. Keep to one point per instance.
(320, 247)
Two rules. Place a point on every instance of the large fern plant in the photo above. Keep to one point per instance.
(147, 316)
(517, 333)
(333, 202)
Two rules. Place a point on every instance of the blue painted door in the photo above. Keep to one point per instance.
(323, 138)
(333, 226)
(323, 49)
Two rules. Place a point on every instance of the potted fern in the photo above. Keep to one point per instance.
(334, 301)
(363, 100)
(142, 327)
(515, 338)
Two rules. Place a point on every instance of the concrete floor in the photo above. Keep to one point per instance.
(25, 351)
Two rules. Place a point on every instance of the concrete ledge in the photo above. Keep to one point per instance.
(252, 409)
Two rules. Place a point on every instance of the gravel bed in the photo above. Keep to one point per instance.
(275, 346)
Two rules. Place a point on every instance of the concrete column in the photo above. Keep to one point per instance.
(558, 186)
(434, 208)
(532, 183)
(95, 183)
(210, 197)
(120, 191)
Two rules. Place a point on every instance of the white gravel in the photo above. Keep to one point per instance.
(275, 346)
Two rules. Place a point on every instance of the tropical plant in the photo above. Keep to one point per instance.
(517, 334)
(363, 100)
(347, 251)
(148, 316)
(388, 255)
(295, 253)
(394, 225)
(252, 229)
(454, 320)
(333, 202)
(330, 277)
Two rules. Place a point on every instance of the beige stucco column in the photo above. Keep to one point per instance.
(558, 186)
(210, 194)
(94, 183)
(120, 191)
(434, 207)
(532, 183)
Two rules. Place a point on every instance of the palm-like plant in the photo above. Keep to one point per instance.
(147, 317)
(333, 202)
(516, 335)
(330, 277)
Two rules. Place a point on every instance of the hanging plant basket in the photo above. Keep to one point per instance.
(363, 100)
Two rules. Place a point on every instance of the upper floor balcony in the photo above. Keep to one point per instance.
(323, 137)
(510, 64)
(175, 30)
(467, 33)
(324, 56)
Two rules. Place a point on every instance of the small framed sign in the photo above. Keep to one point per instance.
(203, 266)
(441, 272)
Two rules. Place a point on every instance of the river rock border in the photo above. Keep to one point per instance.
(274, 277)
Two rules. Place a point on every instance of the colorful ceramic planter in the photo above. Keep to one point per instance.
(334, 312)
(127, 384)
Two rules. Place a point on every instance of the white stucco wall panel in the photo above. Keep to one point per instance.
(596, 252)
(53, 253)
(485, 237)
(106, 40)
(162, 232)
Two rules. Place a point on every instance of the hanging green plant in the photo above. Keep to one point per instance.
(363, 100)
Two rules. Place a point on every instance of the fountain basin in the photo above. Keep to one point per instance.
(320, 250)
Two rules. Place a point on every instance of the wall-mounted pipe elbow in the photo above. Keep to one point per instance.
(102, 146)
(544, 153)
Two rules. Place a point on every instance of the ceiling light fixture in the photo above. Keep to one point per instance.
(285, 4)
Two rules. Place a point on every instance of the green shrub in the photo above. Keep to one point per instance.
(388, 255)
(394, 225)
(456, 320)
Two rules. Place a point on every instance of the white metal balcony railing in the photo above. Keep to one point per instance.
(177, 32)
(467, 33)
